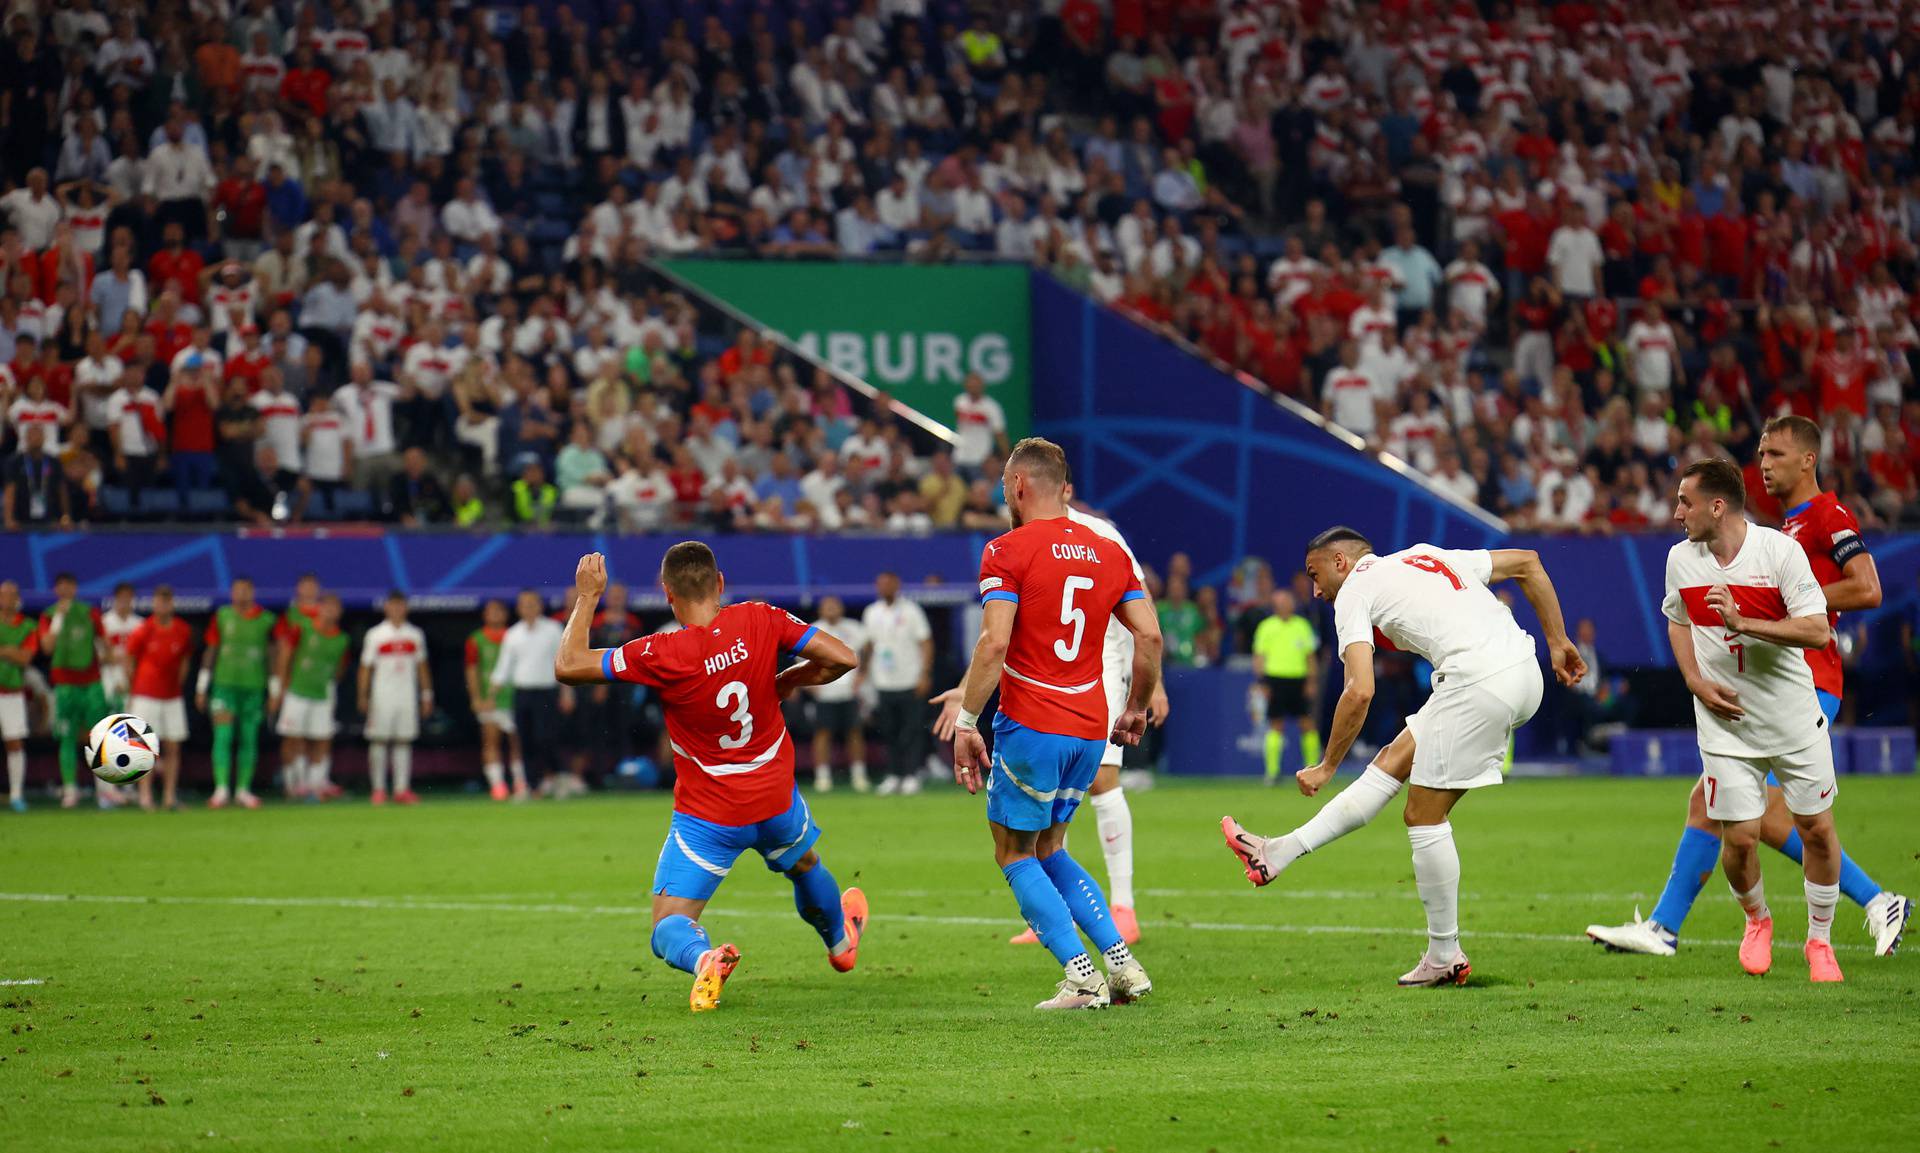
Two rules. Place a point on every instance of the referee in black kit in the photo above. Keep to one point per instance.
(526, 663)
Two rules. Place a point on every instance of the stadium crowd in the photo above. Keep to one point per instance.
(278, 260)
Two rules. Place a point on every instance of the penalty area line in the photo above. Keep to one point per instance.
(413, 905)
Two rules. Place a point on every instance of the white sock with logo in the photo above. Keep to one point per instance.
(1115, 822)
(403, 767)
(377, 765)
(1347, 812)
(1820, 902)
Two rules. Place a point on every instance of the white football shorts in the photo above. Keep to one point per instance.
(306, 718)
(168, 716)
(13, 717)
(1460, 735)
(1737, 786)
(394, 717)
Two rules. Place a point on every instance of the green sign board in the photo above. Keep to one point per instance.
(914, 330)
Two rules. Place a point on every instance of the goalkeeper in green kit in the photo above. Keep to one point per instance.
(75, 640)
(233, 691)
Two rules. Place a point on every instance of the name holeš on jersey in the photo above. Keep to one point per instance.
(727, 659)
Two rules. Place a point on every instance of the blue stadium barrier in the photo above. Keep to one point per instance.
(1881, 752)
(456, 571)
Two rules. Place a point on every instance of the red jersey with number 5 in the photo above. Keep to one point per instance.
(1065, 581)
(1826, 529)
(732, 757)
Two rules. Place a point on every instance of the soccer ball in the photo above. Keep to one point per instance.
(120, 748)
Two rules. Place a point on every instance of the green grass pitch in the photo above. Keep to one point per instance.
(465, 976)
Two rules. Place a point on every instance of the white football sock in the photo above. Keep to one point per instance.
(295, 773)
(1118, 957)
(1436, 873)
(377, 765)
(1081, 968)
(403, 767)
(1754, 901)
(1350, 810)
(519, 768)
(1115, 822)
(496, 775)
(320, 771)
(1820, 902)
(16, 773)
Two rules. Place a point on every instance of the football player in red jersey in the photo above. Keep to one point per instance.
(1048, 589)
(720, 681)
(1789, 467)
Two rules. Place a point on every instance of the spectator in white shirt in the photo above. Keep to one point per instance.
(980, 426)
(33, 210)
(137, 430)
(1575, 256)
(1653, 352)
(467, 217)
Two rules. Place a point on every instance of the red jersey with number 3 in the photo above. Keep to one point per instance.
(1826, 529)
(1065, 581)
(732, 757)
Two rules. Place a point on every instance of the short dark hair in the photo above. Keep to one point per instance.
(689, 571)
(162, 591)
(123, 587)
(1720, 478)
(1805, 433)
(396, 595)
(1339, 534)
(1042, 460)
(65, 578)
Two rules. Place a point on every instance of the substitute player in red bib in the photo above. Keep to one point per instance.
(721, 685)
(1824, 529)
(1048, 589)
(1741, 605)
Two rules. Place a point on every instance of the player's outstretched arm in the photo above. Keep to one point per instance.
(1349, 715)
(983, 676)
(576, 663)
(1719, 699)
(1523, 567)
(1144, 623)
(825, 659)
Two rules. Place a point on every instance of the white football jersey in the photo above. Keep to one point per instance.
(394, 653)
(848, 632)
(1433, 602)
(1770, 580)
(1118, 656)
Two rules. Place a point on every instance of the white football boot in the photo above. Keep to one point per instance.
(1128, 983)
(1430, 974)
(1887, 920)
(1091, 993)
(1636, 936)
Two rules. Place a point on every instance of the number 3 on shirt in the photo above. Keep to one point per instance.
(1432, 564)
(742, 715)
(1069, 615)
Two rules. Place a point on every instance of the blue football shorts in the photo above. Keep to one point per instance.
(699, 854)
(1038, 779)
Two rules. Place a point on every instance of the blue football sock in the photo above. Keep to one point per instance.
(817, 897)
(1854, 881)
(1044, 909)
(1694, 860)
(1084, 899)
(679, 941)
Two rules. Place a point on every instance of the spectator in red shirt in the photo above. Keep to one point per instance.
(1843, 375)
(306, 83)
(175, 264)
(746, 351)
(249, 360)
(1728, 239)
(1892, 473)
(244, 200)
(191, 397)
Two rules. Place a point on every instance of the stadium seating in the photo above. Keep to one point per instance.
(1608, 242)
